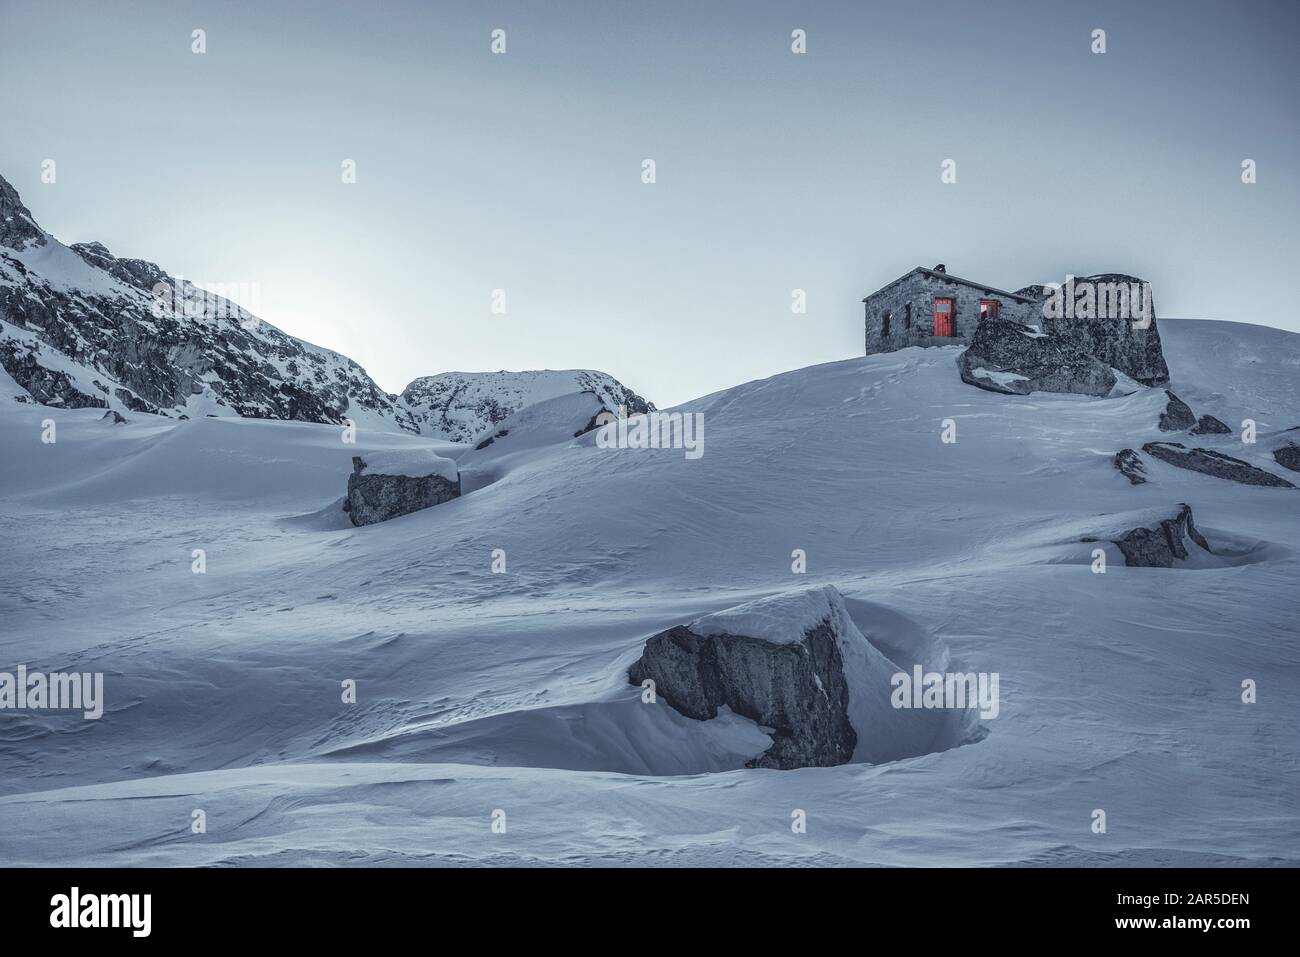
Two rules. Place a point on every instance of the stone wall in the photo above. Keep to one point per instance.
(919, 290)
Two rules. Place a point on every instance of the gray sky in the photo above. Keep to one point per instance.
(775, 171)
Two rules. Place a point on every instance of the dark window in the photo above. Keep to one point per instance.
(884, 326)
(907, 316)
(988, 308)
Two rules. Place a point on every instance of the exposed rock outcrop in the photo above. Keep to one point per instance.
(73, 314)
(1160, 545)
(1288, 456)
(1209, 425)
(1177, 416)
(114, 417)
(798, 690)
(1131, 345)
(1014, 359)
(1213, 463)
(30, 364)
(798, 666)
(1129, 464)
(17, 227)
(398, 487)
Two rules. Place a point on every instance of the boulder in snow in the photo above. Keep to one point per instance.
(798, 666)
(1288, 456)
(115, 417)
(1209, 425)
(1164, 541)
(1177, 416)
(1132, 346)
(397, 484)
(1014, 359)
(1129, 464)
(1213, 463)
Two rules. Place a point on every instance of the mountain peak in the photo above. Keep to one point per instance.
(18, 229)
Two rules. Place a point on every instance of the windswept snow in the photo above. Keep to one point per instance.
(781, 619)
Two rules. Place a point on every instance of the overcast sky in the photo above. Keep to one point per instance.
(775, 171)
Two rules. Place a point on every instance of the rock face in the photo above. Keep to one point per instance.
(797, 666)
(1129, 464)
(1116, 342)
(1209, 425)
(1159, 546)
(1288, 456)
(791, 680)
(797, 690)
(1213, 463)
(388, 493)
(1013, 359)
(1177, 416)
(464, 406)
(79, 326)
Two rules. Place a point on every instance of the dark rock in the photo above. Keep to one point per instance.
(1288, 456)
(17, 227)
(1214, 463)
(1116, 342)
(1013, 359)
(1130, 466)
(114, 417)
(1177, 416)
(47, 385)
(1209, 425)
(1159, 546)
(796, 689)
(378, 497)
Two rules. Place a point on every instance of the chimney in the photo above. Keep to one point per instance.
(940, 268)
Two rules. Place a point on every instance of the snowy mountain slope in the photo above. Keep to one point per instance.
(468, 406)
(480, 690)
(80, 327)
(123, 334)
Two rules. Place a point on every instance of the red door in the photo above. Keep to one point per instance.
(943, 317)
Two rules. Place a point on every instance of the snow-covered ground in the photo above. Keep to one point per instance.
(479, 692)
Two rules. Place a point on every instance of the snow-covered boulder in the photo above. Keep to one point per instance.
(1177, 416)
(1161, 540)
(1210, 462)
(798, 666)
(1014, 359)
(397, 483)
